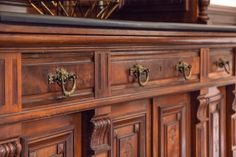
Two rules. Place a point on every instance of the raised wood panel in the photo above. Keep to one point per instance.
(215, 130)
(36, 68)
(2, 82)
(171, 123)
(52, 145)
(53, 137)
(216, 72)
(102, 61)
(162, 68)
(128, 134)
(10, 92)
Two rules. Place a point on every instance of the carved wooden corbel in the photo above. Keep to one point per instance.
(202, 114)
(10, 148)
(201, 127)
(99, 140)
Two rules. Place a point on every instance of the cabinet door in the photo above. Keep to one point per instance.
(171, 126)
(53, 137)
(57, 145)
(129, 136)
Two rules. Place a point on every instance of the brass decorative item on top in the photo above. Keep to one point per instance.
(61, 77)
(101, 9)
(185, 69)
(223, 64)
(138, 72)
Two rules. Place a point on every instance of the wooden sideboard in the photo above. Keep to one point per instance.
(74, 87)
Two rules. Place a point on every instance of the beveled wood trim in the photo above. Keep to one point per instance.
(25, 40)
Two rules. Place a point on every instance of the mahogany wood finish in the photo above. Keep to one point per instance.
(110, 114)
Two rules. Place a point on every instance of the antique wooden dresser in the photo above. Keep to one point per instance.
(74, 87)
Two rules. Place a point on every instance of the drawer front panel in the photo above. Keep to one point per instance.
(37, 68)
(161, 65)
(221, 63)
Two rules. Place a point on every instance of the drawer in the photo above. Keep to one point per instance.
(221, 63)
(42, 73)
(160, 64)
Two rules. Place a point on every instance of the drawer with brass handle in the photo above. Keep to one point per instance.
(139, 71)
(61, 77)
(50, 77)
(221, 63)
(185, 69)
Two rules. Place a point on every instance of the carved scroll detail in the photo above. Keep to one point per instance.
(11, 148)
(99, 139)
(203, 6)
(201, 127)
(202, 109)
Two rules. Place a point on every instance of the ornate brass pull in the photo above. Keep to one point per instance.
(61, 77)
(138, 71)
(223, 64)
(185, 69)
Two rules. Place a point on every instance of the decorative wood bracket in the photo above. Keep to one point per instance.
(201, 127)
(202, 114)
(10, 148)
(100, 135)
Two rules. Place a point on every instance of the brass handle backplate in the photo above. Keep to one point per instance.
(223, 64)
(138, 72)
(185, 69)
(61, 77)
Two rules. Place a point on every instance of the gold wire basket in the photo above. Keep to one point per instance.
(101, 9)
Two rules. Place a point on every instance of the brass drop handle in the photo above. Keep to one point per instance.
(138, 71)
(61, 77)
(185, 69)
(223, 64)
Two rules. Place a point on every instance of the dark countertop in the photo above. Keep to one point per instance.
(29, 19)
